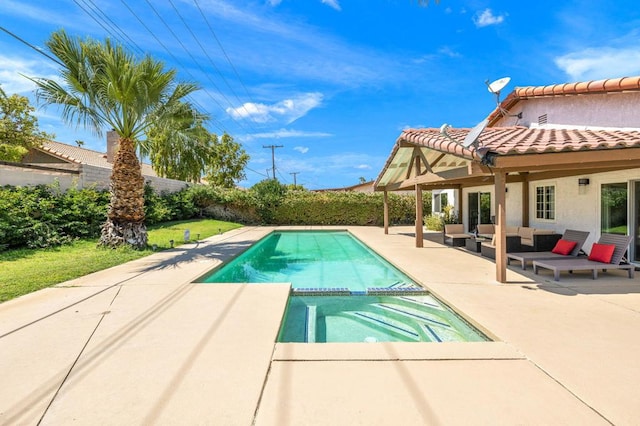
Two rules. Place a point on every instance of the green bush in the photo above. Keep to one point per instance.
(44, 216)
(434, 222)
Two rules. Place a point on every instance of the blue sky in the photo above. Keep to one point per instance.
(333, 81)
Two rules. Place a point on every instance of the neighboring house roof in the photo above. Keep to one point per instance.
(79, 155)
(622, 84)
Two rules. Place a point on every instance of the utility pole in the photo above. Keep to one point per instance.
(294, 177)
(273, 157)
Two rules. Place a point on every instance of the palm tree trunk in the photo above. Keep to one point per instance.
(125, 216)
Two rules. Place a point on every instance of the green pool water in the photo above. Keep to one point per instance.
(416, 318)
(312, 259)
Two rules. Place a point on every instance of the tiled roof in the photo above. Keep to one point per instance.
(78, 155)
(579, 88)
(523, 140)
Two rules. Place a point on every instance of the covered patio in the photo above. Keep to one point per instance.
(429, 159)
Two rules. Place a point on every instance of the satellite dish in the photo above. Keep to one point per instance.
(472, 136)
(444, 128)
(498, 85)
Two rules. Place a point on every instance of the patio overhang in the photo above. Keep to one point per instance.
(425, 159)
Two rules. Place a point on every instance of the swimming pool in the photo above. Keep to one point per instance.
(342, 291)
(312, 259)
(414, 318)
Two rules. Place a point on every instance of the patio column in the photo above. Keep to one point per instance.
(386, 213)
(460, 204)
(525, 198)
(501, 226)
(419, 217)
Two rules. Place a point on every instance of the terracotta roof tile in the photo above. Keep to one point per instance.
(523, 140)
(80, 155)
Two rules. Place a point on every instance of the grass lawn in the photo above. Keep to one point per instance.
(23, 271)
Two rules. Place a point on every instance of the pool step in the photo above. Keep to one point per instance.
(435, 329)
(310, 325)
(390, 326)
(396, 291)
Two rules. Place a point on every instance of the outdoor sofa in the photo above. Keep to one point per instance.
(454, 232)
(523, 238)
(570, 235)
(607, 253)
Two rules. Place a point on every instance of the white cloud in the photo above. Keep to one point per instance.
(597, 63)
(363, 167)
(447, 51)
(301, 149)
(486, 18)
(288, 110)
(284, 133)
(332, 3)
(15, 68)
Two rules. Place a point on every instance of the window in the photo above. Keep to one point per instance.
(613, 208)
(546, 202)
(440, 201)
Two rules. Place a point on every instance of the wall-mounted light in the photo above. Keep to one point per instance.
(583, 181)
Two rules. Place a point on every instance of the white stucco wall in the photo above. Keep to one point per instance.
(575, 208)
(618, 110)
(87, 176)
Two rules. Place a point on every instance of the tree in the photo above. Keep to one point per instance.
(105, 86)
(182, 152)
(227, 162)
(18, 128)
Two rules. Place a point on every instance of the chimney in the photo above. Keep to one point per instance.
(112, 145)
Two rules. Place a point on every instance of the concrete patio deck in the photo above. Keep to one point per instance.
(142, 344)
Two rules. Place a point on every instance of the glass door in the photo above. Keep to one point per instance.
(636, 222)
(479, 209)
(613, 210)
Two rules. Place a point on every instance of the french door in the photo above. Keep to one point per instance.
(479, 209)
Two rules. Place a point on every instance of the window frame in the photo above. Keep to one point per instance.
(545, 202)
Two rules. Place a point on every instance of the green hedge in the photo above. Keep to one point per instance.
(44, 216)
(344, 208)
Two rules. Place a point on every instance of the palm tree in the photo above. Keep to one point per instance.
(107, 87)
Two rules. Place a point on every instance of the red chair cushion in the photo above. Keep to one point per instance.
(564, 247)
(602, 252)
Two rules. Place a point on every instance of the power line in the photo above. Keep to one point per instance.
(37, 49)
(173, 56)
(98, 15)
(215, 67)
(204, 17)
(96, 9)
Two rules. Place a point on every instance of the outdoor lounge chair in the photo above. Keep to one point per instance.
(621, 242)
(579, 237)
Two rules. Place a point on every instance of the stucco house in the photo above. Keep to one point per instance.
(74, 166)
(563, 156)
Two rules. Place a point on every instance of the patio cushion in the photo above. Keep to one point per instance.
(602, 252)
(564, 247)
